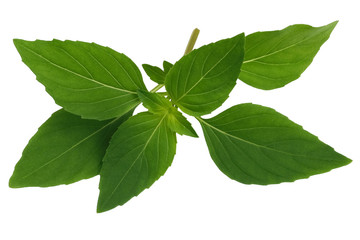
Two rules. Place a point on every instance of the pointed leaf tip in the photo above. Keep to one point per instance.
(87, 79)
(64, 150)
(139, 153)
(253, 144)
(276, 58)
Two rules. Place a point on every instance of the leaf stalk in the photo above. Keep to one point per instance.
(156, 88)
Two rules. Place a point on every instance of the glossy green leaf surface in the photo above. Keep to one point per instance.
(64, 150)
(155, 73)
(160, 105)
(276, 58)
(86, 79)
(253, 144)
(139, 153)
(202, 80)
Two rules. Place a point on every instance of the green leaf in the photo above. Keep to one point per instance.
(86, 79)
(253, 144)
(64, 150)
(178, 123)
(202, 80)
(160, 105)
(167, 66)
(276, 58)
(155, 73)
(139, 153)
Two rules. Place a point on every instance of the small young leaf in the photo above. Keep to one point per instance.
(155, 73)
(202, 80)
(179, 124)
(87, 79)
(253, 144)
(276, 58)
(160, 105)
(139, 153)
(167, 66)
(154, 102)
(65, 149)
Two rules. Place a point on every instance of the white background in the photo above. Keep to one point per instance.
(194, 200)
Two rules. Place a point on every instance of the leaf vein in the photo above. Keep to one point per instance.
(204, 76)
(77, 74)
(132, 165)
(71, 148)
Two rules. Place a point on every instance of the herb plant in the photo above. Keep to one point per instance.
(99, 88)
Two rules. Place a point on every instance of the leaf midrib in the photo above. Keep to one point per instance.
(217, 63)
(77, 74)
(137, 158)
(248, 142)
(71, 148)
(277, 51)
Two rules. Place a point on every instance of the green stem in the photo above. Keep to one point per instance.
(189, 48)
(156, 88)
(192, 40)
(199, 119)
(162, 93)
